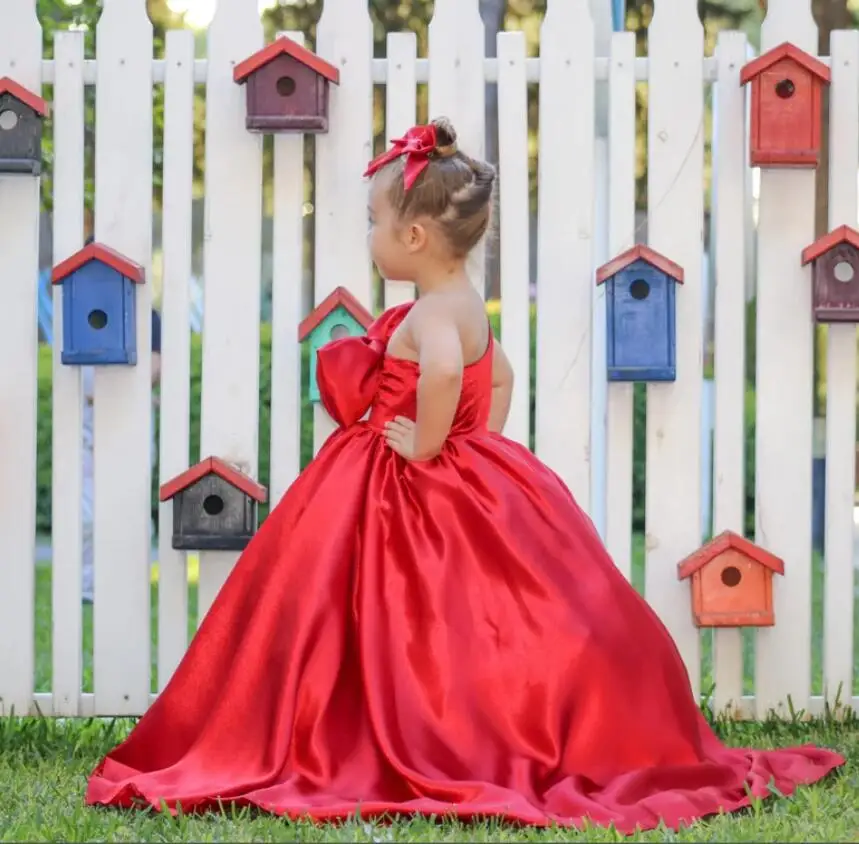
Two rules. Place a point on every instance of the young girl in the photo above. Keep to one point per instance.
(428, 623)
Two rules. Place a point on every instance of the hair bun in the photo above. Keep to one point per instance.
(445, 137)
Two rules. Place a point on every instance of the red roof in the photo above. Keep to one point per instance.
(640, 253)
(341, 297)
(723, 542)
(230, 474)
(22, 94)
(843, 234)
(285, 46)
(784, 51)
(104, 254)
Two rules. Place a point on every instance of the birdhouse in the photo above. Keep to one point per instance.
(339, 315)
(835, 275)
(21, 116)
(214, 507)
(640, 315)
(731, 582)
(786, 107)
(287, 88)
(99, 314)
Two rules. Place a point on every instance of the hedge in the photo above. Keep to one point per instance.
(45, 417)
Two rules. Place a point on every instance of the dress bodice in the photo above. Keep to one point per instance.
(357, 373)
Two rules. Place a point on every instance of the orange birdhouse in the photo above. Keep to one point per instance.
(786, 107)
(731, 582)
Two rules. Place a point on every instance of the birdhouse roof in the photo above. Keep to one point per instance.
(340, 298)
(103, 254)
(640, 253)
(284, 46)
(784, 51)
(223, 470)
(22, 94)
(724, 542)
(843, 234)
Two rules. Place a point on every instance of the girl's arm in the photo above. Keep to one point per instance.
(440, 358)
(502, 390)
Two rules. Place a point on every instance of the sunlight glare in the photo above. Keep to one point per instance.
(199, 13)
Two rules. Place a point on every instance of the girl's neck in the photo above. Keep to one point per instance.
(442, 276)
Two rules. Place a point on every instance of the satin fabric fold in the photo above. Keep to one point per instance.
(447, 637)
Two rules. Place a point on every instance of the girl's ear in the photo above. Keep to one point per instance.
(415, 237)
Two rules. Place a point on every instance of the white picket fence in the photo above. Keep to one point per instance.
(586, 214)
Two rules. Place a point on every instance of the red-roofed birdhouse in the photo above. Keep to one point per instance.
(786, 107)
(338, 315)
(835, 275)
(731, 582)
(21, 116)
(640, 315)
(99, 306)
(287, 88)
(214, 507)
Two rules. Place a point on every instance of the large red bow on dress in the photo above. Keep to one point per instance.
(416, 145)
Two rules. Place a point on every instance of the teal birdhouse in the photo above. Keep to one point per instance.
(337, 316)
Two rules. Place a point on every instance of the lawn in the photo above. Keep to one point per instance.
(44, 764)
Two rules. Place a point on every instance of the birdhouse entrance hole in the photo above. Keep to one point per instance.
(639, 289)
(731, 576)
(339, 331)
(285, 86)
(785, 89)
(97, 319)
(213, 505)
(8, 120)
(843, 272)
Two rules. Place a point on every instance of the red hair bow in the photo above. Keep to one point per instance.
(416, 145)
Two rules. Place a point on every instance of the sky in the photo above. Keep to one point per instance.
(198, 13)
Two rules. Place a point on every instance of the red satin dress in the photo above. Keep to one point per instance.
(439, 638)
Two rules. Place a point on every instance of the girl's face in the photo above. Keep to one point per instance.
(395, 246)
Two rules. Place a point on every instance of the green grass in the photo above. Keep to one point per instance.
(44, 764)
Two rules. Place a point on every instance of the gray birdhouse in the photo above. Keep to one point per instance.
(214, 507)
(287, 88)
(21, 116)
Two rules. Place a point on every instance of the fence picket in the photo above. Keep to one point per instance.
(457, 89)
(841, 384)
(401, 107)
(784, 384)
(67, 466)
(515, 227)
(344, 38)
(675, 225)
(122, 404)
(286, 309)
(621, 216)
(20, 58)
(730, 364)
(176, 340)
(565, 274)
(230, 403)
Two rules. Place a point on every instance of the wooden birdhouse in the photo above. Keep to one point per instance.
(214, 507)
(339, 315)
(287, 88)
(731, 582)
(21, 115)
(99, 313)
(640, 315)
(786, 107)
(835, 275)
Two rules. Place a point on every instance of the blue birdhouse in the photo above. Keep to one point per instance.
(99, 322)
(640, 314)
(339, 315)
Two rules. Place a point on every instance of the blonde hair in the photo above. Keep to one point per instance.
(454, 190)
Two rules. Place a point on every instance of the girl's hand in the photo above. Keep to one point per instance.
(400, 436)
